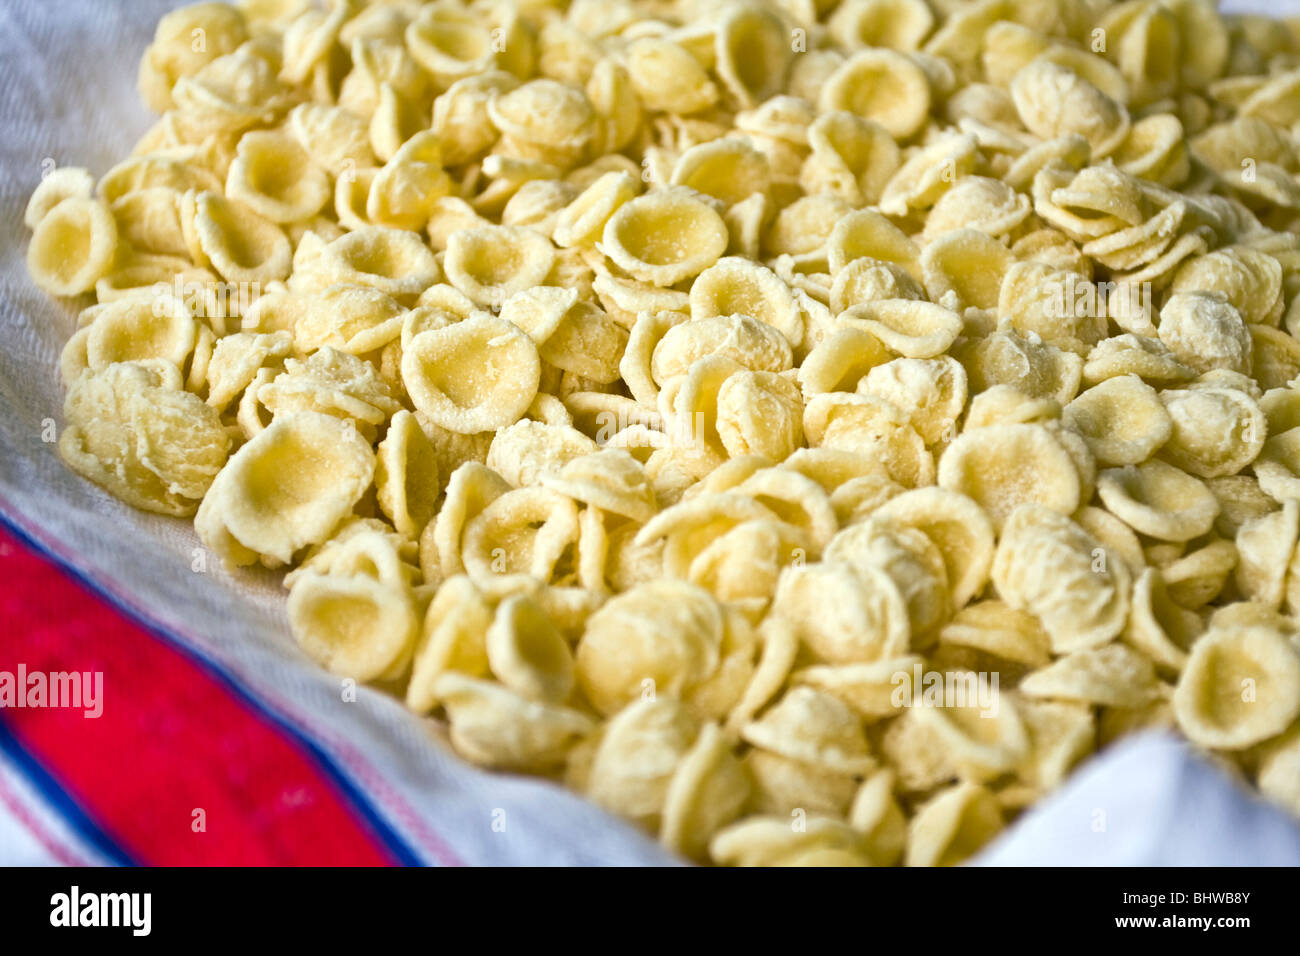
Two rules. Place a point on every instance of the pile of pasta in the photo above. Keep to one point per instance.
(662, 393)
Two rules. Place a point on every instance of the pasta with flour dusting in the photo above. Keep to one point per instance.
(808, 430)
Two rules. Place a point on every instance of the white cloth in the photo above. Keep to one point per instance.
(67, 94)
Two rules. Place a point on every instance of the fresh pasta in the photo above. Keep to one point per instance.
(808, 430)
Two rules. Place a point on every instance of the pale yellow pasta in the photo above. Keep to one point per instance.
(1053, 100)
(491, 263)
(881, 85)
(963, 269)
(524, 531)
(1122, 420)
(650, 394)
(1085, 603)
(285, 489)
(665, 236)
(73, 246)
(527, 653)
(917, 330)
(729, 170)
(928, 174)
(624, 651)
(406, 475)
(1114, 675)
(139, 327)
(1158, 500)
(354, 625)
(852, 158)
(737, 286)
(496, 727)
(473, 376)
(1240, 686)
(65, 182)
(1005, 466)
(277, 178)
(872, 427)
(951, 826)
(240, 244)
(133, 430)
(666, 77)
(390, 260)
(842, 613)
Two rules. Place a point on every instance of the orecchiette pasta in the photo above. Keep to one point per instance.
(850, 413)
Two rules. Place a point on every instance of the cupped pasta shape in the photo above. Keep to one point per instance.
(769, 840)
(667, 77)
(813, 728)
(1159, 500)
(752, 52)
(527, 653)
(739, 286)
(453, 637)
(663, 637)
(394, 261)
(964, 269)
(881, 85)
(1214, 431)
(867, 233)
(65, 182)
(983, 737)
(241, 244)
(476, 375)
(852, 158)
(665, 236)
(496, 727)
(992, 626)
(131, 429)
(351, 318)
(979, 203)
(73, 246)
(450, 44)
(491, 263)
(528, 451)
(760, 413)
(957, 526)
(952, 826)
(1241, 686)
(635, 758)
(1205, 332)
(286, 489)
(844, 613)
(895, 24)
(1113, 675)
(407, 480)
(524, 531)
(582, 222)
(840, 360)
(708, 790)
(1122, 420)
(277, 178)
(931, 392)
(1083, 603)
(609, 479)
(353, 626)
(729, 170)
(911, 328)
(1053, 100)
(910, 559)
(1002, 467)
(928, 174)
(872, 427)
(136, 327)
